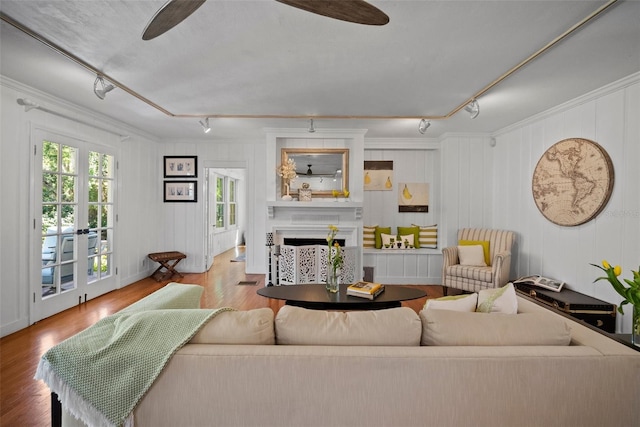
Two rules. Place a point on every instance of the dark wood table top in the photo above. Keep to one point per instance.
(316, 296)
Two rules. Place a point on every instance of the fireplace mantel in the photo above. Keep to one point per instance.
(351, 211)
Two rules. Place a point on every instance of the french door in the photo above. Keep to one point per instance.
(72, 251)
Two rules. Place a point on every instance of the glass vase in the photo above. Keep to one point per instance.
(635, 326)
(333, 280)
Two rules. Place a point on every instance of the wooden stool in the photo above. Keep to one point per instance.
(167, 260)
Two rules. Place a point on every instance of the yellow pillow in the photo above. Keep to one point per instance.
(483, 243)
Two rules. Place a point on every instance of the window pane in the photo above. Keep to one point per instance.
(219, 215)
(49, 187)
(68, 188)
(232, 190)
(50, 156)
(107, 166)
(232, 214)
(69, 159)
(219, 189)
(105, 191)
(94, 165)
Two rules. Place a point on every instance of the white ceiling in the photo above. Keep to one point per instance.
(261, 57)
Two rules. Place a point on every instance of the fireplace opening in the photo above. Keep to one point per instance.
(290, 241)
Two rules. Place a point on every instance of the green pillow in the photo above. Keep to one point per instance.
(483, 243)
(380, 230)
(403, 231)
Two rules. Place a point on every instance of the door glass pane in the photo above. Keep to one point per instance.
(100, 214)
(59, 209)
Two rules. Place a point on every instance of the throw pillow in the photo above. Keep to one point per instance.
(428, 237)
(465, 302)
(380, 230)
(390, 327)
(414, 230)
(471, 256)
(408, 241)
(369, 236)
(238, 327)
(450, 328)
(501, 300)
(483, 243)
(386, 239)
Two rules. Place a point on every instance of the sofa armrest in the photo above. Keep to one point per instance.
(501, 264)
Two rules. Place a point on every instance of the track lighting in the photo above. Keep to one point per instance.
(104, 89)
(423, 126)
(27, 104)
(311, 128)
(205, 125)
(473, 108)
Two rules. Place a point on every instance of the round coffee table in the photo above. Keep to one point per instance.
(316, 297)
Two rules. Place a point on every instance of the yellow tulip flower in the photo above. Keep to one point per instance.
(617, 270)
(605, 264)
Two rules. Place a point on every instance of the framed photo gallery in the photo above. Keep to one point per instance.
(180, 191)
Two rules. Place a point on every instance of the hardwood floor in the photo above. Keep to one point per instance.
(26, 402)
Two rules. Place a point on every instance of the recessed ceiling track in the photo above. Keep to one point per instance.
(484, 90)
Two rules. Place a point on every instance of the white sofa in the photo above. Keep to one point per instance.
(591, 382)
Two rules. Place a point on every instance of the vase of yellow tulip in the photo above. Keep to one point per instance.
(630, 295)
(334, 261)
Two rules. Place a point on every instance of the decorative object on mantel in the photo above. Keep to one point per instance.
(413, 197)
(287, 171)
(335, 260)
(337, 193)
(378, 175)
(573, 181)
(304, 194)
(630, 295)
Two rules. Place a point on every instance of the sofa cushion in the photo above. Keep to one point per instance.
(485, 247)
(379, 231)
(238, 327)
(484, 274)
(369, 236)
(414, 231)
(451, 328)
(500, 300)
(464, 302)
(471, 256)
(391, 327)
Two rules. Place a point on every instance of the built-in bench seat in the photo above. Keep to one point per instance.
(404, 266)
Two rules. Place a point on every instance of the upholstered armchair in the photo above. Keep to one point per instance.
(473, 278)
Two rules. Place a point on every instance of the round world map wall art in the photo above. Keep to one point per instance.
(572, 181)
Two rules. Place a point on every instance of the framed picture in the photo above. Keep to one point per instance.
(413, 197)
(181, 191)
(180, 166)
(378, 175)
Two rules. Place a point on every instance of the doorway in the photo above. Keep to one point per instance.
(74, 211)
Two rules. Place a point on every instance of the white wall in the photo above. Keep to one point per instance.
(609, 117)
(138, 204)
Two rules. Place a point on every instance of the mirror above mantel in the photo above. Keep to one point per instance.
(323, 169)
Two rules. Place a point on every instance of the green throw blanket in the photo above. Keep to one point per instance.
(102, 373)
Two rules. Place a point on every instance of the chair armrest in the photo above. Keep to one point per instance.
(501, 265)
(449, 256)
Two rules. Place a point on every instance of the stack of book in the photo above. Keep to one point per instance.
(365, 290)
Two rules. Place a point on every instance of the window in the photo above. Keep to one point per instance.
(220, 193)
(232, 202)
(226, 202)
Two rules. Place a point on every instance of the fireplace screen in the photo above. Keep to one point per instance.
(308, 264)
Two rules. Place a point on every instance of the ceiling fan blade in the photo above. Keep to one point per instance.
(168, 16)
(358, 11)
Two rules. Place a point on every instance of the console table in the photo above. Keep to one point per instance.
(316, 296)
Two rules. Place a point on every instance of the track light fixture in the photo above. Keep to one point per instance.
(311, 128)
(104, 89)
(473, 108)
(205, 125)
(423, 126)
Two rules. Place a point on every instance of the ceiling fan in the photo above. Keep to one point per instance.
(174, 12)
